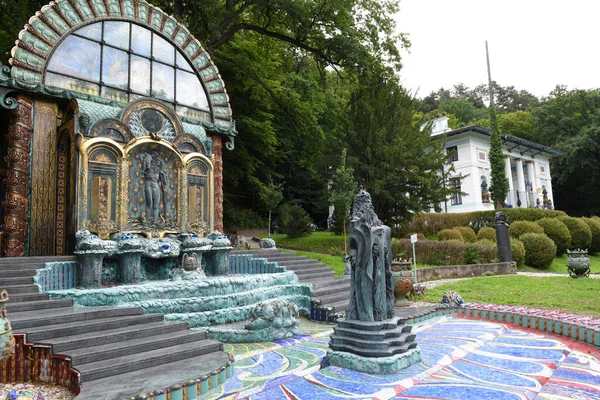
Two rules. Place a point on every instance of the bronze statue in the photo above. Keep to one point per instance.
(152, 165)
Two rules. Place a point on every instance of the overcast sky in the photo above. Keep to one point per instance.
(534, 44)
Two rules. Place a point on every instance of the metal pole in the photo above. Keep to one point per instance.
(414, 263)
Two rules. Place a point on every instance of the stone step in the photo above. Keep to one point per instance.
(29, 319)
(114, 366)
(368, 342)
(313, 270)
(17, 289)
(283, 257)
(22, 266)
(16, 273)
(33, 260)
(129, 384)
(37, 305)
(37, 334)
(314, 274)
(340, 306)
(372, 335)
(260, 253)
(335, 297)
(336, 285)
(319, 282)
(92, 354)
(298, 265)
(27, 280)
(64, 344)
(369, 352)
(23, 297)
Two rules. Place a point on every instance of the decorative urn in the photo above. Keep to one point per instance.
(7, 341)
(578, 263)
(403, 282)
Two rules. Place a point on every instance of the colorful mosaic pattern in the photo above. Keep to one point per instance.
(462, 359)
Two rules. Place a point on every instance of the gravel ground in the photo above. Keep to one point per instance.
(48, 391)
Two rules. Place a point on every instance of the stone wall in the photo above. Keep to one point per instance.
(463, 271)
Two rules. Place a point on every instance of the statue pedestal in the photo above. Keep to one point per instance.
(90, 267)
(378, 347)
(130, 267)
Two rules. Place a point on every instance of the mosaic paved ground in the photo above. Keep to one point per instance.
(461, 359)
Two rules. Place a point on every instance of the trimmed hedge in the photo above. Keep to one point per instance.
(430, 223)
(449, 234)
(519, 228)
(467, 233)
(449, 252)
(539, 250)
(420, 236)
(594, 224)
(517, 248)
(556, 230)
(581, 234)
(487, 233)
(487, 242)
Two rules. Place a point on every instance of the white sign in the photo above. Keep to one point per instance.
(413, 238)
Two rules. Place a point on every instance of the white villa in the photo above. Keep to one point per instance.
(527, 168)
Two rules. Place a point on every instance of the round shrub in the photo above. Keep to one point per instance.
(594, 224)
(449, 234)
(539, 250)
(487, 233)
(295, 221)
(556, 230)
(581, 234)
(517, 248)
(467, 233)
(519, 228)
(487, 242)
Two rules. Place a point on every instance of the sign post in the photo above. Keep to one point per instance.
(413, 240)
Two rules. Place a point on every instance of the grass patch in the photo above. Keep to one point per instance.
(333, 262)
(559, 265)
(580, 296)
(319, 242)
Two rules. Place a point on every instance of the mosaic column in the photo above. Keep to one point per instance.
(218, 182)
(18, 179)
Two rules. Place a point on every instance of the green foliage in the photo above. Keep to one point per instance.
(318, 242)
(467, 233)
(518, 123)
(519, 228)
(594, 224)
(517, 248)
(271, 195)
(449, 234)
(341, 195)
(241, 219)
(539, 250)
(556, 230)
(471, 255)
(430, 223)
(487, 242)
(14, 14)
(448, 252)
(487, 233)
(294, 220)
(498, 183)
(581, 234)
(334, 262)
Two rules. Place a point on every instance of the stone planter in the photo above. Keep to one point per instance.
(403, 283)
(7, 341)
(578, 263)
(130, 270)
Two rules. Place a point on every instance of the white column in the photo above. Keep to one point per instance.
(521, 183)
(508, 172)
(549, 186)
(532, 180)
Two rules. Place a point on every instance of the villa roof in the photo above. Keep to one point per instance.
(519, 144)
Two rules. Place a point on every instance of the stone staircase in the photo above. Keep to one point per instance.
(119, 352)
(331, 290)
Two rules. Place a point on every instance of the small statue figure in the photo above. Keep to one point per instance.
(485, 195)
(452, 299)
(152, 165)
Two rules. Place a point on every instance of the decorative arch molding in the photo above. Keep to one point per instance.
(188, 142)
(49, 26)
(104, 126)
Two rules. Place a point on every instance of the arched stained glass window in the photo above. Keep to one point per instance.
(123, 61)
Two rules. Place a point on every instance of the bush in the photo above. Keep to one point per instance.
(594, 224)
(430, 223)
(420, 236)
(449, 252)
(518, 251)
(241, 219)
(539, 250)
(519, 228)
(449, 234)
(487, 242)
(558, 232)
(581, 234)
(487, 233)
(295, 222)
(467, 233)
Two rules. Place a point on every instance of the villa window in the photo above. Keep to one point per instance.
(452, 153)
(456, 198)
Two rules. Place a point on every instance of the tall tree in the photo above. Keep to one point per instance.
(342, 194)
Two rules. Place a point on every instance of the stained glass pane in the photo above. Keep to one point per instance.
(140, 40)
(115, 94)
(116, 33)
(115, 69)
(163, 85)
(140, 75)
(77, 57)
(189, 90)
(71, 84)
(163, 50)
(182, 62)
(93, 31)
(192, 113)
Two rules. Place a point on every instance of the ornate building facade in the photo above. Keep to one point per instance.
(114, 119)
